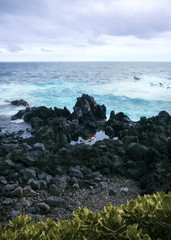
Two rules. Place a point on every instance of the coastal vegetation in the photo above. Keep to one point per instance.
(145, 218)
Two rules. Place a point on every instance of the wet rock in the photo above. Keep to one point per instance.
(20, 114)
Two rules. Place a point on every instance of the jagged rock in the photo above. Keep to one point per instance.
(20, 114)
(45, 114)
(86, 109)
(41, 112)
(62, 112)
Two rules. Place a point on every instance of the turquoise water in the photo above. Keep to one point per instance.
(110, 83)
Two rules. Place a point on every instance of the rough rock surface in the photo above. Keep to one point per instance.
(44, 175)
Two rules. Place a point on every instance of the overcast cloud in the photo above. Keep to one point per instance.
(85, 30)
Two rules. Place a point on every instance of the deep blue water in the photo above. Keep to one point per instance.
(110, 83)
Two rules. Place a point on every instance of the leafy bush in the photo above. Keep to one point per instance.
(145, 218)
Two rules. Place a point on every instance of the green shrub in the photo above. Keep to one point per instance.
(145, 218)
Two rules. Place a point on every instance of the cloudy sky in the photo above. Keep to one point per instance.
(85, 30)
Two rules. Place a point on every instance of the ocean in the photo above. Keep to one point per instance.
(60, 83)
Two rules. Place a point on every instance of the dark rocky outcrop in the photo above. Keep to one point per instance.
(87, 111)
(45, 165)
(20, 102)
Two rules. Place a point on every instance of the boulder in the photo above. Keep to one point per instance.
(54, 190)
(18, 192)
(74, 172)
(44, 208)
(56, 202)
(29, 173)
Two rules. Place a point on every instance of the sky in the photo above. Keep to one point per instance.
(85, 30)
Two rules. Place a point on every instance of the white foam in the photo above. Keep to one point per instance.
(17, 121)
(147, 88)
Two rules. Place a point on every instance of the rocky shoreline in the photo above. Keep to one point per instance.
(46, 176)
